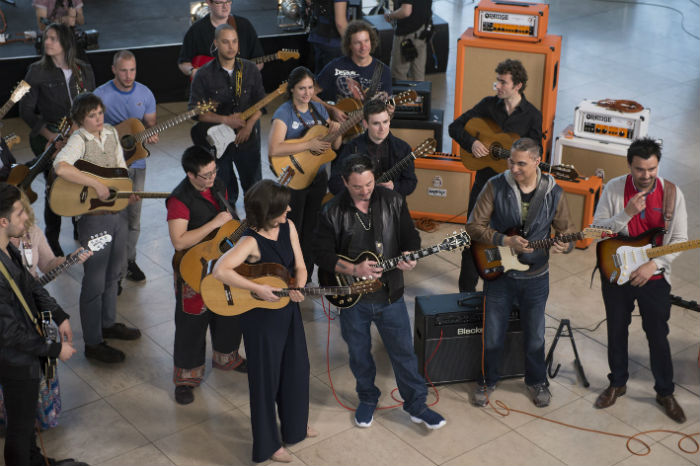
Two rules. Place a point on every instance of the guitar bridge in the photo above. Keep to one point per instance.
(492, 254)
(617, 261)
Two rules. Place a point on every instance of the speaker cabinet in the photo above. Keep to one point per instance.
(477, 58)
(448, 331)
(416, 131)
(590, 157)
(582, 196)
(442, 192)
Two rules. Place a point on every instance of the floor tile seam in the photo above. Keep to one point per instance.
(515, 430)
(401, 439)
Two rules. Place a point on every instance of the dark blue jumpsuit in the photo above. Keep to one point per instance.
(278, 363)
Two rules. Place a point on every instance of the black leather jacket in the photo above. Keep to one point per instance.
(21, 346)
(398, 234)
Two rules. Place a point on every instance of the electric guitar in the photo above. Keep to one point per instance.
(22, 175)
(229, 301)
(132, 133)
(70, 199)
(457, 240)
(619, 257)
(19, 91)
(307, 163)
(193, 264)
(493, 261)
(426, 147)
(496, 141)
(96, 243)
(220, 135)
(199, 61)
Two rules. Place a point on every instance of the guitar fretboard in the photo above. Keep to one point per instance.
(145, 134)
(55, 272)
(6, 108)
(353, 119)
(391, 264)
(549, 242)
(671, 248)
(143, 195)
(264, 101)
(317, 291)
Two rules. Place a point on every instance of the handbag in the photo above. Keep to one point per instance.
(48, 406)
(408, 50)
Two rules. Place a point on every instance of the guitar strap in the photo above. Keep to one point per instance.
(224, 202)
(19, 295)
(376, 80)
(669, 203)
(535, 204)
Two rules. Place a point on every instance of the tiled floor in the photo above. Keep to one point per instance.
(127, 415)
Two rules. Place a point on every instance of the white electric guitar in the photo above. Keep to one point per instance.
(96, 243)
(627, 259)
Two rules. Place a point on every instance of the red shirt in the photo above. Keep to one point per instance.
(651, 217)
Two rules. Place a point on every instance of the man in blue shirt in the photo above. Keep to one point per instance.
(125, 98)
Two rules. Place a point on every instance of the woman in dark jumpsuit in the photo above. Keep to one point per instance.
(275, 344)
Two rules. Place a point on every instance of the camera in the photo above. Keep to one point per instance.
(84, 40)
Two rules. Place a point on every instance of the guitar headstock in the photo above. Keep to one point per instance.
(455, 241)
(403, 97)
(365, 286)
(286, 175)
(64, 127)
(288, 54)
(206, 106)
(596, 232)
(564, 172)
(20, 91)
(426, 147)
(98, 241)
(11, 140)
(282, 88)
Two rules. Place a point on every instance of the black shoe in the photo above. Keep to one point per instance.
(119, 288)
(184, 394)
(120, 331)
(134, 273)
(69, 462)
(104, 353)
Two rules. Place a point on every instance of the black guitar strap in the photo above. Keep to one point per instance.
(535, 204)
(224, 202)
(376, 80)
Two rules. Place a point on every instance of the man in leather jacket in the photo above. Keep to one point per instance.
(365, 217)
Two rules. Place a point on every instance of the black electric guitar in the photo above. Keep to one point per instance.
(457, 240)
(96, 243)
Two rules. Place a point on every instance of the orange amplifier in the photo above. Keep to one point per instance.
(582, 196)
(443, 188)
(477, 59)
(499, 19)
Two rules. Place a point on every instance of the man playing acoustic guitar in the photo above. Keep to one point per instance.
(631, 205)
(510, 110)
(522, 197)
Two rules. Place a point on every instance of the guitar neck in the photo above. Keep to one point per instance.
(671, 248)
(143, 195)
(264, 101)
(264, 58)
(393, 171)
(391, 264)
(6, 108)
(317, 291)
(353, 119)
(41, 164)
(549, 242)
(236, 235)
(55, 272)
(147, 133)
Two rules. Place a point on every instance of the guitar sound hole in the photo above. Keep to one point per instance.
(128, 142)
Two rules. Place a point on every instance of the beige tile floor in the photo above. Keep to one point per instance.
(126, 415)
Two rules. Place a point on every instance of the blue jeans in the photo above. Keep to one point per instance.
(530, 295)
(395, 329)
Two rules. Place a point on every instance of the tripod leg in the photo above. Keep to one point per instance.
(550, 354)
(577, 360)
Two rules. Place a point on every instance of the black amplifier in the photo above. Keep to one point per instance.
(418, 110)
(454, 322)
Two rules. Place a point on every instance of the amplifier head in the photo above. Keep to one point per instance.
(603, 124)
(510, 20)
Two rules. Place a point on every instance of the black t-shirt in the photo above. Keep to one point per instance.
(419, 16)
(199, 40)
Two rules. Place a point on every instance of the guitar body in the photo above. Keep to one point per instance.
(70, 199)
(18, 177)
(305, 164)
(326, 278)
(348, 105)
(492, 136)
(133, 149)
(493, 261)
(606, 251)
(193, 265)
(228, 301)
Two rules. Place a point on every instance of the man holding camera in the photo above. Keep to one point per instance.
(408, 53)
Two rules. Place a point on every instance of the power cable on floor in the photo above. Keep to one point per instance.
(660, 6)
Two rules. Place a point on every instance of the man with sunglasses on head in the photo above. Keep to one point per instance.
(195, 211)
(199, 38)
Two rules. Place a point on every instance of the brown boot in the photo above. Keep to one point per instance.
(609, 395)
(672, 408)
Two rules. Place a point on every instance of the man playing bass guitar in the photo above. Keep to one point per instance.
(510, 110)
(521, 196)
(631, 205)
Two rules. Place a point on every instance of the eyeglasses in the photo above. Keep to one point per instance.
(208, 175)
(221, 2)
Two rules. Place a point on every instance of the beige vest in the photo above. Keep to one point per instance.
(106, 158)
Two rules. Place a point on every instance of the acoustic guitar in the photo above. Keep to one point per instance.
(96, 243)
(350, 105)
(70, 199)
(326, 278)
(307, 163)
(424, 148)
(493, 261)
(225, 300)
(18, 92)
(22, 175)
(193, 263)
(619, 257)
(199, 61)
(220, 135)
(132, 133)
(498, 143)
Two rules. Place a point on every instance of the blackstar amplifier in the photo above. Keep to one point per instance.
(420, 108)
(603, 124)
(511, 20)
(454, 322)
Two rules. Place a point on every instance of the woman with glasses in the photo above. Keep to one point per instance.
(291, 121)
(278, 370)
(196, 209)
